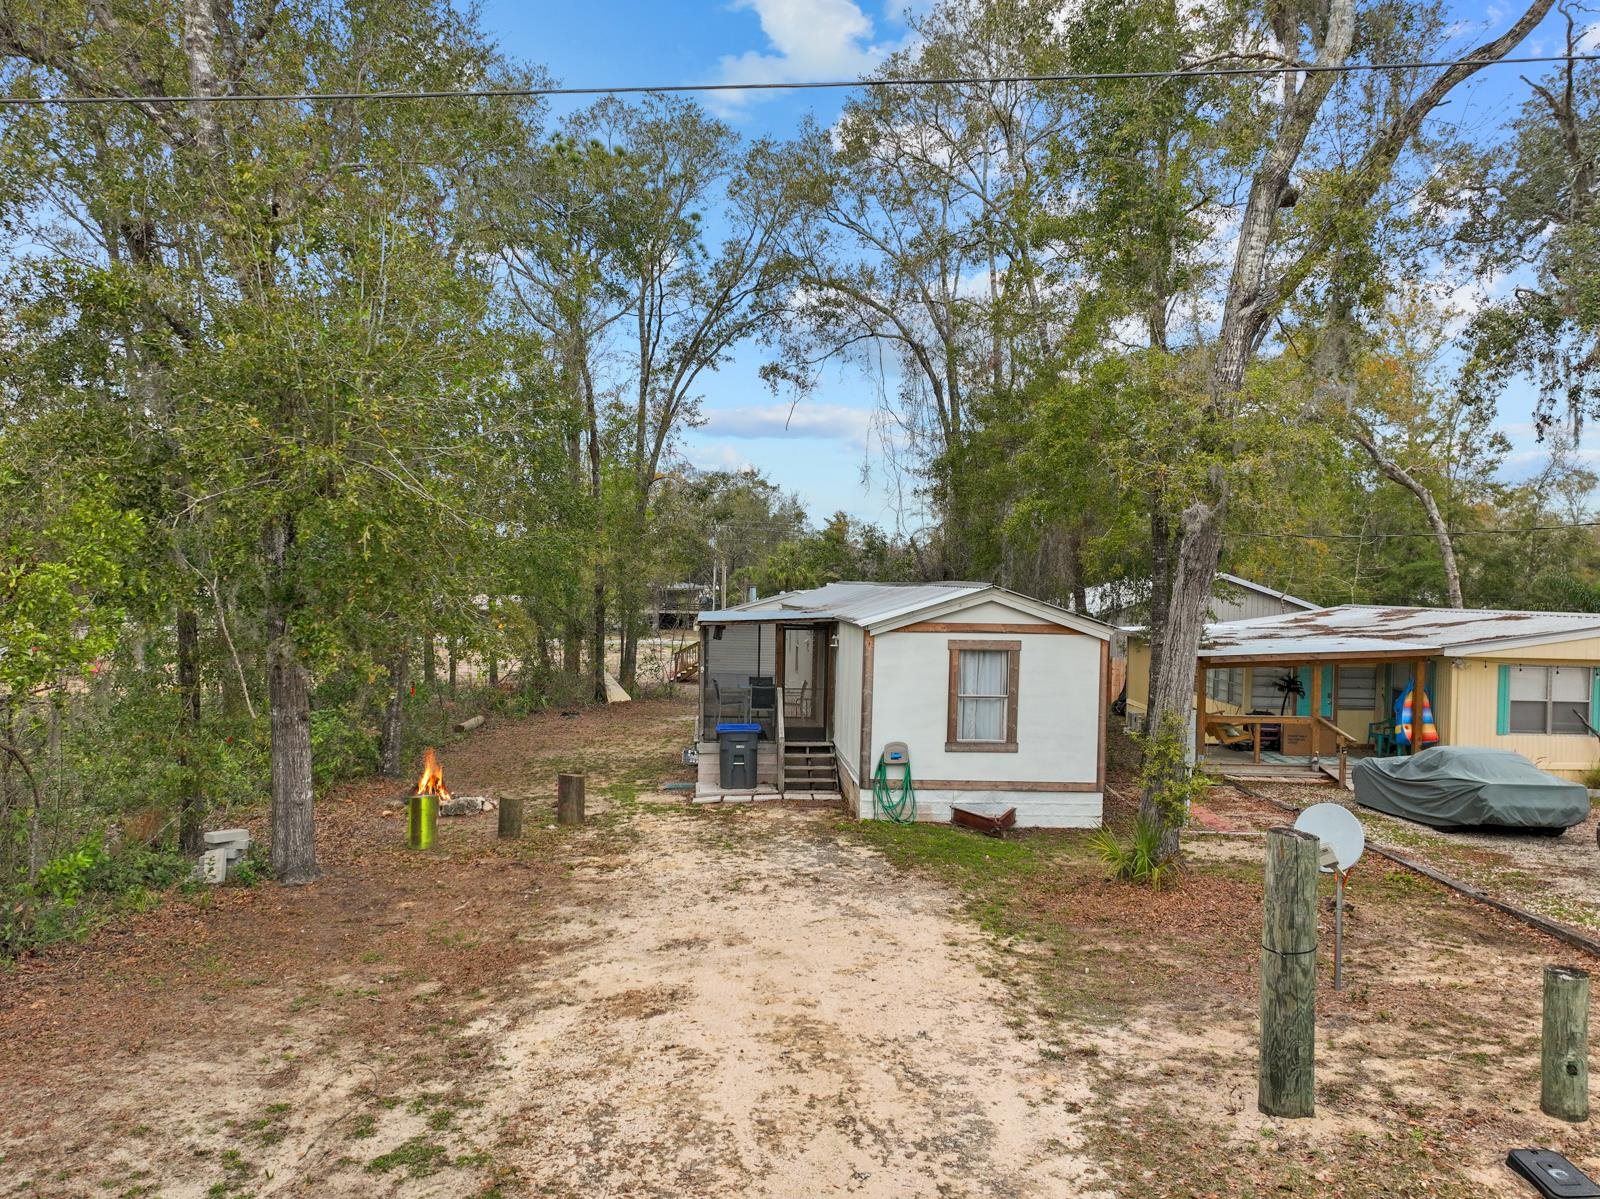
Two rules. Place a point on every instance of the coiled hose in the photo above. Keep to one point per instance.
(897, 809)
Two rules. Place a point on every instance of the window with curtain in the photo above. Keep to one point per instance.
(983, 699)
(1549, 699)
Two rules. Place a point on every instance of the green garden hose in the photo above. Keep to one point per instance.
(897, 809)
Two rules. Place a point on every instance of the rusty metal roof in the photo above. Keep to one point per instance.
(1354, 629)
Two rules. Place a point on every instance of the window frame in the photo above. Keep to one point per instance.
(1549, 703)
(952, 743)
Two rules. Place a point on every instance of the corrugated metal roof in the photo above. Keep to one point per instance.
(1360, 628)
(854, 603)
(1262, 589)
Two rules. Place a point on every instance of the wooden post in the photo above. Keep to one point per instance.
(1315, 708)
(569, 798)
(1289, 976)
(510, 817)
(1255, 743)
(1564, 1048)
(1199, 714)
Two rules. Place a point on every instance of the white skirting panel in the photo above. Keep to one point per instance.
(1035, 809)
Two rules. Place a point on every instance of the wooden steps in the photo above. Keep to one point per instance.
(810, 766)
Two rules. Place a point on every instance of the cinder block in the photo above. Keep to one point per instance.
(226, 836)
(214, 865)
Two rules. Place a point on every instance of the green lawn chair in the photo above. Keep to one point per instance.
(1381, 734)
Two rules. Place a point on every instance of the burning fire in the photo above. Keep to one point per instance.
(432, 780)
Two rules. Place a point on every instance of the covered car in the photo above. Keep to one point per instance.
(1460, 786)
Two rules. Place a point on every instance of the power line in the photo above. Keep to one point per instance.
(527, 93)
(1454, 533)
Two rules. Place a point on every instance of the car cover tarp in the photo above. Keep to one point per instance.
(1457, 786)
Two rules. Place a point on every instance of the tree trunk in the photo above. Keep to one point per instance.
(294, 847)
(391, 744)
(430, 660)
(597, 643)
(1160, 595)
(191, 819)
(1172, 691)
(450, 681)
(1441, 531)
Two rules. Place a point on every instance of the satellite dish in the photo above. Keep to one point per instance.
(1338, 829)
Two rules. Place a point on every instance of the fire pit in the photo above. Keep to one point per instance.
(422, 813)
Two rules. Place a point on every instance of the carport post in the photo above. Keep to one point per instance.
(1419, 677)
(1199, 715)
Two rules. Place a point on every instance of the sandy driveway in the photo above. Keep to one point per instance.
(669, 1001)
(752, 1007)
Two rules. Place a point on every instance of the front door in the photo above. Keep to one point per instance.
(804, 682)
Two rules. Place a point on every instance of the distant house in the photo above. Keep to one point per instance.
(1127, 604)
(1524, 681)
(997, 697)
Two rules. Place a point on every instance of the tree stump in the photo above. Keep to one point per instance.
(569, 798)
(1564, 1046)
(1286, 1084)
(510, 816)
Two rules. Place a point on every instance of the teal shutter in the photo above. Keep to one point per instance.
(1302, 702)
(1502, 710)
(1327, 689)
(1594, 698)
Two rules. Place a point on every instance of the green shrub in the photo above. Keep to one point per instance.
(1591, 777)
(341, 747)
(1137, 859)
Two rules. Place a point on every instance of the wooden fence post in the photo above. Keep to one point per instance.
(1564, 1047)
(510, 816)
(1287, 1074)
(569, 799)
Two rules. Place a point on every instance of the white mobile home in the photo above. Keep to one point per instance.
(996, 697)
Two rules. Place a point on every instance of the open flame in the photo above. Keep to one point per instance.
(432, 780)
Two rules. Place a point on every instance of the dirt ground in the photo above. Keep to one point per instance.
(1555, 876)
(664, 1002)
(758, 1000)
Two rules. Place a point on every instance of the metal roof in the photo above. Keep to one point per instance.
(854, 603)
(880, 607)
(1351, 630)
(1262, 589)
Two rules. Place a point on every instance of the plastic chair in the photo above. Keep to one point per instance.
(1381, 734)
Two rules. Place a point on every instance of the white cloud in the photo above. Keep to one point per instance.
(719, 456)
(808, 39)
(822, 422)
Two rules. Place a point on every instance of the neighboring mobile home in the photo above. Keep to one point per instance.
(997, 697)
(1524, 681)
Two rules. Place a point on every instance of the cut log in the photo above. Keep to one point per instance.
(470, 723)
(569, 798)
(511, 817)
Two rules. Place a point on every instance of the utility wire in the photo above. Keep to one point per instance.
(523, 93)
(1454, 533)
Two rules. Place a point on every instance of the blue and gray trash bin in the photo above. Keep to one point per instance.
(738, 754)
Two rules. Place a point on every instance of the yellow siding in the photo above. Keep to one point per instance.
(1471, 718)
(1138, 675)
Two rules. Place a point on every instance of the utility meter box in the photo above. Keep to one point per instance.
(737, 759)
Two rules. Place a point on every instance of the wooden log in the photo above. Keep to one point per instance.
(569, 798)
(1564, 1047)
(470, 723)
(510, 816)
(1286, 1082)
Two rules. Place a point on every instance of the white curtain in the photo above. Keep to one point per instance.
(981, 711)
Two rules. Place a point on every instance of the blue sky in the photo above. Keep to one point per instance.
(819, 447)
